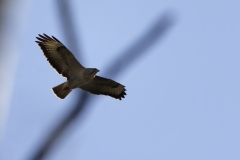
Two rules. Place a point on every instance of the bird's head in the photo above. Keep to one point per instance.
(89, 73)
(93, 71)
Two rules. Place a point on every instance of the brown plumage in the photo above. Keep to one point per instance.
(64, 62)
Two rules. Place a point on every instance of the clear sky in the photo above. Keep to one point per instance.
(183, 95)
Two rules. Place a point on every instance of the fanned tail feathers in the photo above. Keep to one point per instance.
(60, 91)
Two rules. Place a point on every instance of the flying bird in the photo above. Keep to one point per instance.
(64, 62)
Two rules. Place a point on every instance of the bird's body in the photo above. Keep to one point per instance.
(75, 81)
(81, 78)
(61, 59)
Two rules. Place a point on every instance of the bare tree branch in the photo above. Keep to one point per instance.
(61, 127)
(12, 24)
(149, 38)
(68, 27)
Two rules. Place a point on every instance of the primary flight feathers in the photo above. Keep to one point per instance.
(64, 62)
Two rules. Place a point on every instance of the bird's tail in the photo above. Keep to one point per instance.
(60, 91)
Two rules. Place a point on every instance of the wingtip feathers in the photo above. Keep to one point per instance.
(45, 38)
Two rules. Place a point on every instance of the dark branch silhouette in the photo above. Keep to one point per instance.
(119, 65)
(155, 33)
(68, 27)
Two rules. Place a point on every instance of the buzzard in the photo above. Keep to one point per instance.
(64, 62)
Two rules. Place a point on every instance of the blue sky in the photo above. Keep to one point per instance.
(182, 96)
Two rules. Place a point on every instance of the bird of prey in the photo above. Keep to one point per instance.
(64, 62)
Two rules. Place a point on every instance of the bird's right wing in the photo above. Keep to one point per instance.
(59, 57)
(100, 85)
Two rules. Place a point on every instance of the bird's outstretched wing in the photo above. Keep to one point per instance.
(100, 85)
(59, 57)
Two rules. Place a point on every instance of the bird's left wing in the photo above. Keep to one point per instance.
(100, 85)
(59, 57)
